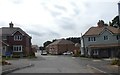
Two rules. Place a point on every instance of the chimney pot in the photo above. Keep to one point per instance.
(100, 23)
(11, 25)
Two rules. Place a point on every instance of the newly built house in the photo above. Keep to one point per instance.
(15, 41)
(101, 41)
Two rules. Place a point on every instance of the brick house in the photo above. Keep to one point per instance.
(15, 41)
(60, 46)
(101, 41)
(35, 48)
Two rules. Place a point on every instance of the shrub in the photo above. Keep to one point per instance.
(5, 62)
(76, 55)
(118, 63)
(16, 56)
(115, 62)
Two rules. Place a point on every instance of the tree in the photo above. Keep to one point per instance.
(110, 23)
(41, 48)
(46, 43)
(115, 22)
(54, 40)
(106, 24)
(74, 39)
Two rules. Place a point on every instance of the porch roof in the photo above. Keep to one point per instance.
(1, 42)
(104, 45)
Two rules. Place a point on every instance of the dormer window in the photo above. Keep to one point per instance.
(105, 37)
(18, 37)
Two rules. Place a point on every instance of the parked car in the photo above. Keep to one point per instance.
(44, 53)
(68, 53)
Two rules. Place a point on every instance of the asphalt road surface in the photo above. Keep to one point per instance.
(55, 64)
(62, 64)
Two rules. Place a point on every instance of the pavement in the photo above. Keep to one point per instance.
(16, 64)
(103, 66)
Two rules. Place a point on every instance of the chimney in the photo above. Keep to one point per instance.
(100, 23)
(11, 25)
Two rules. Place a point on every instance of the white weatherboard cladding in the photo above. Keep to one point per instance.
(100, 39)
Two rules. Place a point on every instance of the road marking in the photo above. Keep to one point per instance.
(96, 60)
(107, 59)
(48, 56)
(96, 69)
(73, 57)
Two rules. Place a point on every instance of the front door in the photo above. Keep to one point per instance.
(4, 49)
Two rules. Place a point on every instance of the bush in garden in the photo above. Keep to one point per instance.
(5, 62)
(115, 62)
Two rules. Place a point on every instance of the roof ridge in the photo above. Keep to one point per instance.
(60, 41)
(11, 28)
(98, 30)
(10, 31)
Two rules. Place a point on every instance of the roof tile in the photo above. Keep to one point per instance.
(98, 30)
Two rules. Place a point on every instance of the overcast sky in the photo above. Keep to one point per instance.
(54, 19)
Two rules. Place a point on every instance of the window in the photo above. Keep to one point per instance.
(105, 37)
(4, 48)
(18, 38)
(91, 39)
(4, 37)
(118, 37)
(95, 52)
(17, 48)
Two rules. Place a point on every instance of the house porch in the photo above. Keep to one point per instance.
(104, 51)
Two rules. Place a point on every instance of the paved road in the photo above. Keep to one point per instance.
(68, 64)
(55, 64)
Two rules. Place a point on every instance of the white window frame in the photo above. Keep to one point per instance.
(18, 37)
(18, 48)
(95, 52)
(92, 39)
(106, 38)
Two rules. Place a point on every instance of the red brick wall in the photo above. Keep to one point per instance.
(60, 48)
(25, 42)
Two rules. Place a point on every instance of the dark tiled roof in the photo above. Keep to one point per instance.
(10, 31)
(62, 41)
(98, 30)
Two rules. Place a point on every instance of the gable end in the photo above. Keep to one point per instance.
(105, 29)
(16, 32)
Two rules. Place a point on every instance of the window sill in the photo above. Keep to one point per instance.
(17, 40)
(17, 51)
